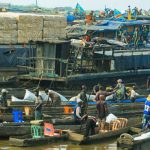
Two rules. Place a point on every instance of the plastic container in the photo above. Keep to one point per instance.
(68, 110)
(17, 116)
(27, 111)
(36, 131)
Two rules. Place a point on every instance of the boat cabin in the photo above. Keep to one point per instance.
(46, 59)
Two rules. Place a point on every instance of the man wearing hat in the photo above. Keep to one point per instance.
(146, 116)
(3, 98)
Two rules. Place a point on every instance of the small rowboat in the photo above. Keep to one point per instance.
(80, 139)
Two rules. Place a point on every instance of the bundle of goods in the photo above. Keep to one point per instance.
(54, 27)
(30, 27)
(8, 28)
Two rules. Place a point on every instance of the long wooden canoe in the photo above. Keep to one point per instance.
(127, 141)
(14, 129)
(28, 142)
(79, 138)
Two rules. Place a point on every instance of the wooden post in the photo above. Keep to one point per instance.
(39, 62)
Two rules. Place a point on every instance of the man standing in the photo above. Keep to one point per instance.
(102, 111)
(146, 116)
(136, 37)
(83, 97)
(3, 98)
(38, 106)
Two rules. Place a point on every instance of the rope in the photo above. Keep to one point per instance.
(126, 138)
(40, 80)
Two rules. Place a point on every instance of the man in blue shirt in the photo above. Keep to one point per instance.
(146, 116)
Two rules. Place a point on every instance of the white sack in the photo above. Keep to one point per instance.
(110, 118)
(61, 96)
(29, 96)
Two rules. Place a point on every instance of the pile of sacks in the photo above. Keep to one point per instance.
(29, 96)
(30, 27)
(54, 27)
(23, 27)
(8, 28)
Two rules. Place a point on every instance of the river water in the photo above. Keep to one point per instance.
(110, 145)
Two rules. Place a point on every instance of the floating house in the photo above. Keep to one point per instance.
(103, 58)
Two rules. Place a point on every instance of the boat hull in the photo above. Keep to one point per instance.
(28, 142)
(78, 138)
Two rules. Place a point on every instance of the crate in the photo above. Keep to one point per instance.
(17, 116)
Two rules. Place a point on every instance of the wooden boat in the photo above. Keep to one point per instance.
(134, 142)
(14, 129)
(80, 139)
(28, 142)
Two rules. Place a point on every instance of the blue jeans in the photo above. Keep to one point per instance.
(146, 122)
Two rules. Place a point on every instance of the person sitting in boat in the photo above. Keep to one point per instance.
(102, 111)
(79, 118)
(3, 98)
(146, 115)
(132, 94)
(56, 100)
(90, 126)
(38, 106)
(83, 97)
(120, 90)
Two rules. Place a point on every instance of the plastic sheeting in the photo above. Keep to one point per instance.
(8, 56)
(114, 25)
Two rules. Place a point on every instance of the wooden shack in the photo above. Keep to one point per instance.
(46, 60)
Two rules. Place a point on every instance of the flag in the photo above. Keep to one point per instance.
(79, 9)
(118, 16)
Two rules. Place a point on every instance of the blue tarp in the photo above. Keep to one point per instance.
(114, 25)
(138, 100)
(118, 16)
(8, 56)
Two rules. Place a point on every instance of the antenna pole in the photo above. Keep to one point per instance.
(36, 3)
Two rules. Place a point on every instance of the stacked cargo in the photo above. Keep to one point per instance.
(8, 28)
(54, 27)
(23, 27)
(30, 27)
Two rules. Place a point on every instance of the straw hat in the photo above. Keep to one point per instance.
(148, 98)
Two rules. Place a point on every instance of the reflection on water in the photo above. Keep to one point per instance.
(111, 145)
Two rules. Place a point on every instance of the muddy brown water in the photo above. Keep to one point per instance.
(109, 145)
